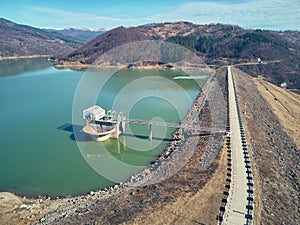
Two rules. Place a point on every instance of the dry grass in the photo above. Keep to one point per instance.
(169, 30)
(285, 105)
(274, 155)
(199, 208)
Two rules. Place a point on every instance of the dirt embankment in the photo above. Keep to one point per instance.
(275, 155)
(285, 105)
(166, 201)
(190, 195)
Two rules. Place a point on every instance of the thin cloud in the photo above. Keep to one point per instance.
(65, 17)
(268, 14)
(264, 14)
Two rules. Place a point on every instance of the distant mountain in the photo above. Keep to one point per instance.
(103, 43)
(218, 44)
(82, 33)
(21, 40)
(87, 29)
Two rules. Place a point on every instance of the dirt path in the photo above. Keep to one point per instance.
(236, 209)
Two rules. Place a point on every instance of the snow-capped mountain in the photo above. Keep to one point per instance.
(86, 29)
(83, 33)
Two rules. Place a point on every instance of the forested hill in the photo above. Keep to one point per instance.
(21, 40)
(217, 43)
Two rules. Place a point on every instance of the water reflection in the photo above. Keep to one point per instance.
(13, 67)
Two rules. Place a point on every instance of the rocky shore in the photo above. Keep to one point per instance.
(176, 155)
(24, 57)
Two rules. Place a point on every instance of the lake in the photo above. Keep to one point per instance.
(43, 151)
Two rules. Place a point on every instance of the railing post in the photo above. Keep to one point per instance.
(150, 135)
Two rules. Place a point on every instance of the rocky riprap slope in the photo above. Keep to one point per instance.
(122, 202)
(275, 156)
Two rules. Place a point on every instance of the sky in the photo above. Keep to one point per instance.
(255, 14)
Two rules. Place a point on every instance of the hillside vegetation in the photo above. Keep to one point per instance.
(20, 40)
(218, 45)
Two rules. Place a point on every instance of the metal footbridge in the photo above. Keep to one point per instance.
(100, 123)
(174, 125)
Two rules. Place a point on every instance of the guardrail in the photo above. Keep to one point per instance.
(249, 207)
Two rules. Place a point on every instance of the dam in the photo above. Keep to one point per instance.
(101, 126)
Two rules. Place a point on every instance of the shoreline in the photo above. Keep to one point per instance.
(24, 57)
(59, 207)
(171, 145)
(149, 177)
(135, 66)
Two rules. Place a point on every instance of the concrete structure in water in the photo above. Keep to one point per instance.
(101, 125)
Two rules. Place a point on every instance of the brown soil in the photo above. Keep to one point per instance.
(201, 207)
(17, 210)
(275, 156)
(285, 105)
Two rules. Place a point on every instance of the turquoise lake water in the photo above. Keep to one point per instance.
(39, 151)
